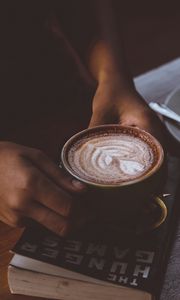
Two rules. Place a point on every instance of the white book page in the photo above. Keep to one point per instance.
(156, 84)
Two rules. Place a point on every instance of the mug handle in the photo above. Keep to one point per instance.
(156, 204)
(163, 214)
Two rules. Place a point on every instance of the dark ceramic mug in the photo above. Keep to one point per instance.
(121, 201)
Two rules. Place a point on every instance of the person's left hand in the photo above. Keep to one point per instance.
(111, 105)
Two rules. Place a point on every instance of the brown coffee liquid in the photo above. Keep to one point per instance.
(110, 158)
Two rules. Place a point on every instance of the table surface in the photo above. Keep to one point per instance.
(9, 236)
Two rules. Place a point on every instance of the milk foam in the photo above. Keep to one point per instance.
(110, 158)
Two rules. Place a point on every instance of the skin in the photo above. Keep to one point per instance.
(32, 187)
(116, 99)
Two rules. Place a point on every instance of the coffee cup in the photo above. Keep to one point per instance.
(123, 168)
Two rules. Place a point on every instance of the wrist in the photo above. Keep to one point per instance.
(105, 66)
(110, 78)
(121, 98)
(117, 90)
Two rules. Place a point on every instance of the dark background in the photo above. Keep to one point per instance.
(43, 98)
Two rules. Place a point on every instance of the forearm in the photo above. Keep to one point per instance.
(116, 99)
(107, 61)
(96, 37)
(105, 66)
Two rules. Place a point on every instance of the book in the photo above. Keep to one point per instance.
(128, 266)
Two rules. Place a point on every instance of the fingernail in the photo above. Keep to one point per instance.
(78, 184)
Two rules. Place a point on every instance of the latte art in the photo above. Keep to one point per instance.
(110, 158)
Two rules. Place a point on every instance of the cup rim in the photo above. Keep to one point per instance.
(149, 173)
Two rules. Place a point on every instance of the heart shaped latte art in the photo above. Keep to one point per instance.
(111, 158)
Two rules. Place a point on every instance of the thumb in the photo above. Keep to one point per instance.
(97, 119)
(104, 117)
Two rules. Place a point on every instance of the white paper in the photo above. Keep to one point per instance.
(156, 84)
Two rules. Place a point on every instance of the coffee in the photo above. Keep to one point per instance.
(122, 167)
(112, 155)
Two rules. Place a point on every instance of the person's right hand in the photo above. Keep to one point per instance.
(33, 187)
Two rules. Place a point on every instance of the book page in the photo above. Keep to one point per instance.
(156, 84)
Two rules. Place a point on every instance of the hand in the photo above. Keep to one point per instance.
(111, 104)
(33, 187)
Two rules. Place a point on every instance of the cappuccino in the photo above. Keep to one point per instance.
(112, 155)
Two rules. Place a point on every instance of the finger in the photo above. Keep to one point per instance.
(13, 218)
(59, 177)
(49, 219)
(46, 192)
(96, 120)
(103, 117)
